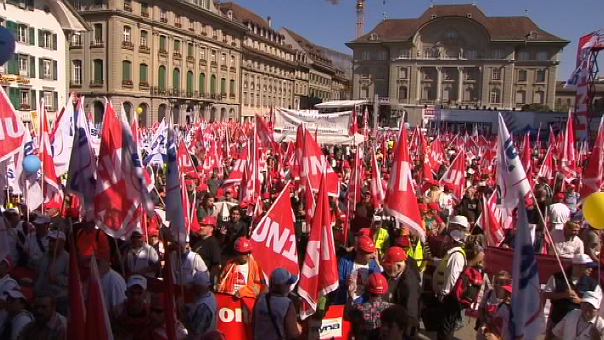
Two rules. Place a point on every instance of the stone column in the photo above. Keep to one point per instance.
(460, 85)
(418, 95)
(439, 83)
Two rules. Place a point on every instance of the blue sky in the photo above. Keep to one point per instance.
(332, 25)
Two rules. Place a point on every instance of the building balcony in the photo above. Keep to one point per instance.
(215, 37)
(145, 14)
(127, 7)
(223, 95)
(232, 95)
(204, 33)
(162, 53)
(96, 83)
(84, 7)
(177, 56)
(127, 83)
(214, 64)
(75, 44)
(202, 62)
(233, 69)
(143, 85)
(163, 20)
(128, 45)
(144, 49)
(97, 44)
(75, 84)
(223, 67)
(191, 59)
(234, 44)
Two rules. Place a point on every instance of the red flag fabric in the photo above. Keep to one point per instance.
(354, 127)
(185, 165)
(568, 165)
(265, 135)
(320, 270)
(355, 184)
(527, 153)
(51, 182)
(491, 221)
(11, 128)
(592, 178)
(456, 175)
(76, 321)
(98, 326)
(400, 199)
(547, 167)
(437, 154)
(236, 174)
(314, 163)
(377, 191)
(274, 239)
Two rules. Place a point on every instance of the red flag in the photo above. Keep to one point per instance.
(11, 128)
(437, 154)
(377, 191)
(320, 270)
(527, 153)
(169, 304)
(309, 201)
(354, 126)
(76, 321)
(97, 318)
(51, 182)
(592, 178)
(456, 175)
(547, 167)
(491, 221)
(185, 164)
(366, 123)
(355, 184)
(568, 165)
(265, 135)
(236, 174)
(314, 163)
(400, 199)
(274, 239)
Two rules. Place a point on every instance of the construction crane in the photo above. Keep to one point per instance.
(360, 6)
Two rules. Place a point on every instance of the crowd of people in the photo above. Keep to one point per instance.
(394, 283)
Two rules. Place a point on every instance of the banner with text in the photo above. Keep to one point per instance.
(325, 123)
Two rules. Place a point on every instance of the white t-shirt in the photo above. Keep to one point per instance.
(141, 258)
(190, 264)
(558, 215)
(114, 289)
(241, 273)
(445, 201)
(566, 248)
(361, 273)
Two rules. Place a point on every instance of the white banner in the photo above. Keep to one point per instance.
(327, 123)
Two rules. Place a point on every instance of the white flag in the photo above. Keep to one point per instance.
(511, 177)
(174, 203)
(158, 150)
(61, 137)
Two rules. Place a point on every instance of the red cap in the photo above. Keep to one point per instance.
(208, 220)
(364, 232)
(189, 181)
(153, 232)
(243, 245)
(377, 284)
(243, 204)
(507, 288)
(560, 195)
(449, 187)
(53, 205)
(202, 187)
(434, 206)
(529, 201)
(365, 243)
(402, 241)
(394, 255)
(423, 207)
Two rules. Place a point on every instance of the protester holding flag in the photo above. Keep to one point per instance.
(241, 276)
(355, 269)
(140, 258)
(53, 270)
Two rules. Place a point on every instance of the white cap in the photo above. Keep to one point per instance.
(15, 293)
(592, 298)
(583, 259)
(457, 235)
(41, 219)
(460, 220)
(137, 280)
(201, 279)
(55, 234)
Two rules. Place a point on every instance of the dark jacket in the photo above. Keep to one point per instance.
(407, 292)
(561, 307)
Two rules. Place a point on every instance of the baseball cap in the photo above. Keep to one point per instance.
(137, 280)
(449, 187)
(560, 195)
(364, 232)
(365, 243)
(434, 206)
(394, 255)
(460, 220)
(15, 293)
(57, 235)
(402, 241)
(281, 276)
(201, 279)
(208, 220)
(41, 219)
(377, 284)
(592, 298)
(457, 236)
(137, 232)
(583, 259)
(507, 288)
(243, 245)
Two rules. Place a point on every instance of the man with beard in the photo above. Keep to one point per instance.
(47, 324)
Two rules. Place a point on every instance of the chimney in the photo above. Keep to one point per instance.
(270, 21)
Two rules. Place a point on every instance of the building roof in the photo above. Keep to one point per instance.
(315, 52)
(244, 15)
(498, 28)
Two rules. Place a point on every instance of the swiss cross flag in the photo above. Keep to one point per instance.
(320, 270)
(456, 175)
(11, 128)
(314, 163)
(491, 220)
(400, 199)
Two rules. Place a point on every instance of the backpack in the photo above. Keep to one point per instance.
(468, 286)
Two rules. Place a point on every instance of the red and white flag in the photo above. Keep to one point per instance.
(400, 200)
(491, 221)
(265, 135)
(320, 269)
(274, 239)
(377, 191)
(437, 154)
(568, 165)
(314, 163)
(11, 128)
(98, 326)
(185, 165)
(354, 126)
(236, 175)
(527, 153)
(547, 167)
(51, 186)
(456, 175)
(366, 123)
(592, 178)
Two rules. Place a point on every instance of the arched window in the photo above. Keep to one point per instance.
(202, 82)
(161, 78)
(402, 93)
(223, 86)
(213, 84)
(189, 82)
(176, 79)
(232, 87)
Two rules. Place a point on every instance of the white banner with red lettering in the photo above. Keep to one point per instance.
(287, 121)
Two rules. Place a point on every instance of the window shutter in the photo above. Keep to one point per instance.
(55, 70)
(13, 64)
(32, 99)
(32, 66)
(54, 42)
(13, 27)
(32, 36)
(13, 95)
(55, 101)
(40, 38)
(41, 72)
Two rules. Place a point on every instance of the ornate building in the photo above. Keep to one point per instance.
(455, 55)
(268, 68)
(163, 56)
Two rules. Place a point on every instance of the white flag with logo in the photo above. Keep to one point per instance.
(511, 177)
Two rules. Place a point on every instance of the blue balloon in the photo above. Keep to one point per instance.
(31, 164)
(7, 45)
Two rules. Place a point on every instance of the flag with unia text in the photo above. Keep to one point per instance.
(120, 186)
(98, 326)
(11, 128)
(456, 175)
(319, 275)
(274, 238)
(400, 199)
(314, 163)
(525, 321)
(436, 155)
(236, 174)
(511, 177)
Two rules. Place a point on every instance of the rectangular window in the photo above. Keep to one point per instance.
(144, 9)
(23, 31)
(162, 43)
(213, 56)
(24, 65)
(540, 76)
(98, 33)
(524, 55)
(47, 69)
(190, 50)
(202, 53)
(471, 54)
(25, 99)
(497, 54)
(365, 55)
(521, 75)
(48, 100)
(470, 74)
(127, 34)
(144, 38)
(223, 59)
(77, 72)
(404, 53)
(496, 73)
(520, 97)
(162, 15)
(143, 73)
(542, 56)
(176, 46)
